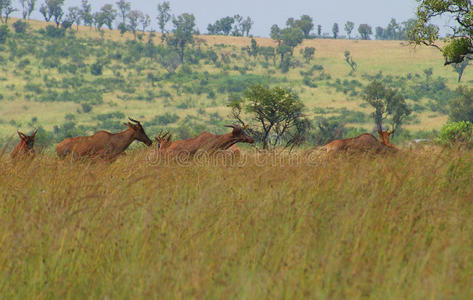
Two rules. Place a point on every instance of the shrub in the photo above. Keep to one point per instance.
(4, 31)
(456, 133)
(96, 69)
(19, 26)
(166, 118)
(54, 32)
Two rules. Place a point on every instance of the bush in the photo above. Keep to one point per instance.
(54, 32)
(166, 118)
(96, 69)
(4, 31)
(456, 133)
(19, 26)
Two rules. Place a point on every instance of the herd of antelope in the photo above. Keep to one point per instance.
(108, 146)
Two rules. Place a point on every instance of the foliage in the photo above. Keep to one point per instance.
(184, 29)
(349, 26)
(386, 102)
(461, 108)
(349, 60)
(456, 133)
(52, 9)
(19, 26)
(394, 30)
(459, 44)
(163, 17)
(335, 30)
(274, 111)
(4, 31)
(365, 31)
(308, 53)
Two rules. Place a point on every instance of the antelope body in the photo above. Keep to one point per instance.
(103, 144)
(362, 143)
(205, 142)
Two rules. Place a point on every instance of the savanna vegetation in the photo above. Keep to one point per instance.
(258, 225)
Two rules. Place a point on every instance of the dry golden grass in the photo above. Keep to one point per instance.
(269, 227)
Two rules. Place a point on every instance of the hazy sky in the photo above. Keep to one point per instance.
(269, 12)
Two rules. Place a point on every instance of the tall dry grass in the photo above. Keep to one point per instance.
(398, 227)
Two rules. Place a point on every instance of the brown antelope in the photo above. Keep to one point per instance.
(384, 138)
(365, 142)
(103, 144)
(205, 142)
(25, 146)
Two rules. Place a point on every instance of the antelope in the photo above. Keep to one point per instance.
(103, 144)
(364, 142)
(25, 146)
(205, 142)
(384, 138)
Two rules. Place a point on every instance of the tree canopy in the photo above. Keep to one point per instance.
(459, 42)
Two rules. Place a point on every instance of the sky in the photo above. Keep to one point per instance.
(269, 12)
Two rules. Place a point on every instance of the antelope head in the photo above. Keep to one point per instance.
(139, 132)
(28, 140)
(239, 134)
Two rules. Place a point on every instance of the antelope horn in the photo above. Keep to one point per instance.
(230, 126)
(34, 133)
(133, 120)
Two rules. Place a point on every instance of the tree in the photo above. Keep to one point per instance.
(365, 31)
(24, 8)
(108, 15)
(86, 13)
(308, 53)
(237, 30)
(145, 21)
(275, 34)
(319, 30)
(74, 16)
(461, 108)
(459, 44)
(184, 28)
(6, 9)
(460, 68)
(99, 20)
(335, 30)
(379, 33)
(275, 112)
(163, 17)
(124, 8)
(31, 4)
(52, 9)
(224, 25)
(4, 32)
(349, 26)
(133, 19)
(246, 26)
(305, 23)
(387, 103)
(349, 60)
(292, 37)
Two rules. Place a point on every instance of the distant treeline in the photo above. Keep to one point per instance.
(126, 19)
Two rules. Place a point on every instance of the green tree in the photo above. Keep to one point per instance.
(133, 19)
(145, 21)
(349, 26)
(31, 4)
(86, 13)
(291, 37)
(24, 8)
(389, 105)
(6, 9)
(306, 24)
(335, 30)
(274, 112)
(459, 43)
(365, 31)
(460, 68)
(319, 30)
(74, 16)
(349, 60)
(52, 9)
(164, 16)
(461, 108)
(124, 7)
(275, 34)
(109, 14)
(184, 29)
(246, 25)
(308, 53)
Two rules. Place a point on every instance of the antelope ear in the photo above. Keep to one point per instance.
(169, 138)
(34, 133)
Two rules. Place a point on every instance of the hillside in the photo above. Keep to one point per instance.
(47, 81)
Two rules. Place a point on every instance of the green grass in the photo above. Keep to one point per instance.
(396, 227)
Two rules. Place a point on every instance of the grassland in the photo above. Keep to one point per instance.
(22, 108)
(265, 227)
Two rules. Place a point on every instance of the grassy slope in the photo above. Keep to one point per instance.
(390, 57)
(393, 228)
